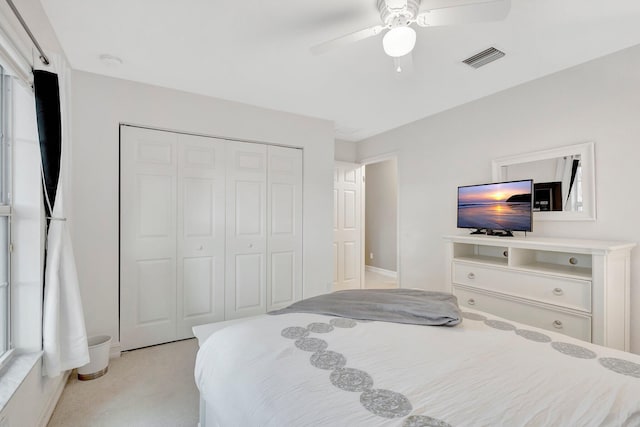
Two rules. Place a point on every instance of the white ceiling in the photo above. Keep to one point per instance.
(257, 52)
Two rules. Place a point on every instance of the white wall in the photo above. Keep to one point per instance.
(346, 151)
(34, 401)
(100, 103)
(598, 101)
(381, 219)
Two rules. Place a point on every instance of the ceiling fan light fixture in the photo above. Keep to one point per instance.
(399, 41)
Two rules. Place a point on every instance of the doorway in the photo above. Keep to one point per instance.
(380, 224)
(366, 225)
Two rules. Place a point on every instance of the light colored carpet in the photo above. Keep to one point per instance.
(153, 386)
(372, 280)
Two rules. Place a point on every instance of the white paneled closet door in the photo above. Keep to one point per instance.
(209, 230)
(284, 229)
(200, 232)
(148, 250)
(246, 285)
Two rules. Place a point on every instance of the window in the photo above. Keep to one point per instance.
(5, 219)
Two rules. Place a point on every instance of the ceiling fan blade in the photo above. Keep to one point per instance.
(426, 5)
(345, 40)
(464, 13)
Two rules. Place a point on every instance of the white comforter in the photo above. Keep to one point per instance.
(469, 375)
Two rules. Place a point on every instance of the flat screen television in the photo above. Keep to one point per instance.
(496, 209)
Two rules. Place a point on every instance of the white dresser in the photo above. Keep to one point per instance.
(576, 287)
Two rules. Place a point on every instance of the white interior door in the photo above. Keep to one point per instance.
(245, 290)
(284, 227)
(347, 238)
(148, 161)
(201, 232)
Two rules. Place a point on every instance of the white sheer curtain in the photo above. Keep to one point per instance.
(64, 334)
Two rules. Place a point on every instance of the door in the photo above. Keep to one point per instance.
(148, 161)
(284, 227)
(200, 232)
(347, 238)
(246, 224)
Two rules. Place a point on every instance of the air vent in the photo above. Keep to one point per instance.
(484, 57)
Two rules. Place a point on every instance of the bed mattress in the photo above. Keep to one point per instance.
(316, 370)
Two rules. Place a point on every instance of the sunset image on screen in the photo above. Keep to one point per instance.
(493, 192)
(504, 206)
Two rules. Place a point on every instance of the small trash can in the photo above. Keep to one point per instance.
(98, 358)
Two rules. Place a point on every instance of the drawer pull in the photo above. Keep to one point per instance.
(573, 260)
(558, 291)
(471, 301)
(557, 324)
(471, 276)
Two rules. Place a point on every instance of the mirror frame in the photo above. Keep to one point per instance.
(587, 157)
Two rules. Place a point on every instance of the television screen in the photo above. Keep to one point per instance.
(501, 206)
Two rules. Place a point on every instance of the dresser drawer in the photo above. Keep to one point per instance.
(563, 292)
(546, 318)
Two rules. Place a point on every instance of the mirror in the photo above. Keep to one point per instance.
(564, 181)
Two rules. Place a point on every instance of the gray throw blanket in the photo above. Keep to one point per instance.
(387, 305)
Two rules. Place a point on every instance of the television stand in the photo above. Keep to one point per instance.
(576, 287)
(479, 231)
(499, 233)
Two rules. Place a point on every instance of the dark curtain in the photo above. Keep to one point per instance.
(574, 170)
(47, 94)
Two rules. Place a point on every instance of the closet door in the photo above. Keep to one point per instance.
(245, 291)
(201, 232)
(148, 162)
(284, 229)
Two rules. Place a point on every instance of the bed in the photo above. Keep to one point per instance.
(306, 369)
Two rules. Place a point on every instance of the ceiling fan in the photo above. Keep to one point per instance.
(398, 16)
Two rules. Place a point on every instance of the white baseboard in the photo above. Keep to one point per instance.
(382, 271)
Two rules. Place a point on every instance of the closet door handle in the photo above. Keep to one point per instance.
(471, 276)
(471, 301)
(250, 245)
(557, 324)
(558, 291)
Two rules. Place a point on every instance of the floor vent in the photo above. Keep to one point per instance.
(484, 57)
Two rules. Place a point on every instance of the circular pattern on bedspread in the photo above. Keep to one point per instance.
(424, 421)
(385, 403)
(320, 328)
(294, 332)
(533, 335)
(573, 350)
(620, 366)
(328, 360)
(343, 322)
(311, 344)
(473, 316)
(499, 324)
(349, 379)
